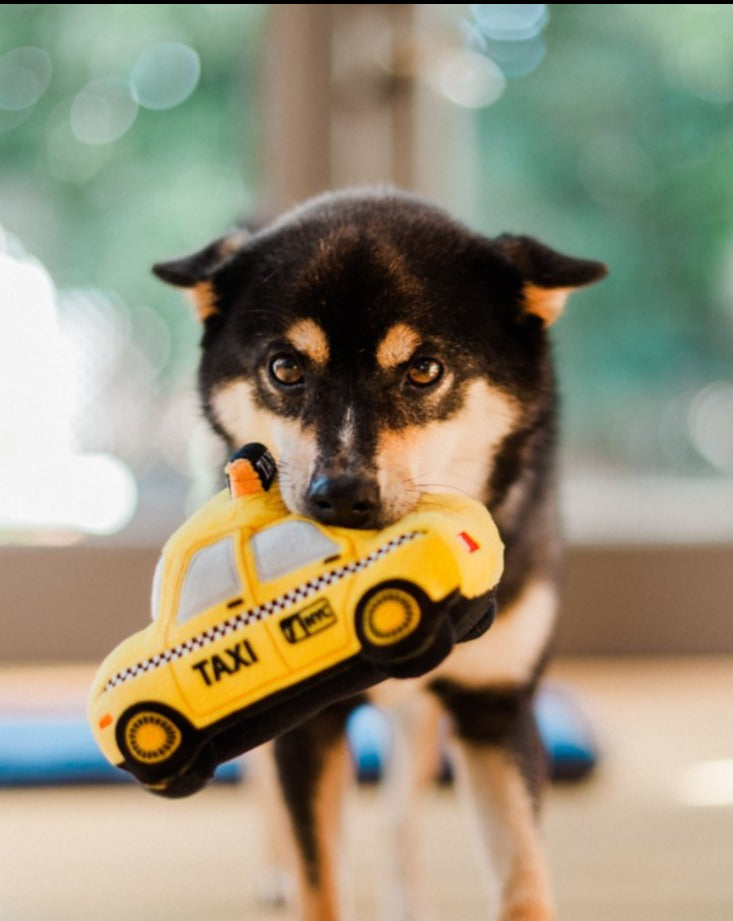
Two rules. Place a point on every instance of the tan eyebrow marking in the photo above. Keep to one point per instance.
(398, 345)
(310, 339)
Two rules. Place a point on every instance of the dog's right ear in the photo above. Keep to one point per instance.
(194, 273)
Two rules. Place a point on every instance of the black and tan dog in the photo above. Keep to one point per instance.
(382, 350)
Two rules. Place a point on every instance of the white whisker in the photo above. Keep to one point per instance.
(430, 490)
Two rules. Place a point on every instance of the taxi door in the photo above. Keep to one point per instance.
(224, 658)
(306, 575)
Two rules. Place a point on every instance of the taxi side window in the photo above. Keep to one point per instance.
(211, 577)
(286, 547)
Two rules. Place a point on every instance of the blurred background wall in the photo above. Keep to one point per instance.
(135, 132)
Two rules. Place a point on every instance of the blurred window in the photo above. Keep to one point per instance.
(605, 130)
(128, 134)
(611, 139)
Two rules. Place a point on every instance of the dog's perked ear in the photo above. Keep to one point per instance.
(195, 272)
(549, 277)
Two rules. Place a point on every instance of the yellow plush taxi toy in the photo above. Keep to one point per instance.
(262, 617)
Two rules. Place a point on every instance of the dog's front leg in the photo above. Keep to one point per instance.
(498, 762)
(312, 767)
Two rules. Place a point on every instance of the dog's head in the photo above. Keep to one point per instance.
(380, 349)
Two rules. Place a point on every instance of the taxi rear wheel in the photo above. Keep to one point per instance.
(393, 621)
(155, 741)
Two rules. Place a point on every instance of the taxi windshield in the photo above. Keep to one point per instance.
(288, 546)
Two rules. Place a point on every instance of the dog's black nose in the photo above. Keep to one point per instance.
(346, 501)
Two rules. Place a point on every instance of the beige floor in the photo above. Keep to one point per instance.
(651, 837)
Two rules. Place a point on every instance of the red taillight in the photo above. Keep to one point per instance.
(469, 543)
(105, 721)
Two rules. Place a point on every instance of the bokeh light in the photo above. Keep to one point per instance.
(32, 365)
(516, 59)
(165, 75)
(25, 74)
(68, 158)
(706, 783)
(509, 34)
(102, 112)
(704, 64)
(45, 481)
(510, 21)
(91, 493)
(711, 424)
(468, 79)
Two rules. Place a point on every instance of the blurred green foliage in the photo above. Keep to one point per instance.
(619, 147)
(99, 214)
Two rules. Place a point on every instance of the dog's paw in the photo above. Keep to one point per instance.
(275, 888)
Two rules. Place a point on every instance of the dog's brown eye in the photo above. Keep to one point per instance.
(285, 369)
(424, 371)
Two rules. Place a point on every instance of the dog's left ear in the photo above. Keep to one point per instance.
(549, 277)
(194, 273)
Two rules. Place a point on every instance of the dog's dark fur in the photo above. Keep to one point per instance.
(382, 350)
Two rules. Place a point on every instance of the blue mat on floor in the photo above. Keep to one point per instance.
(36, 751)
(566, 733)
(564, 728)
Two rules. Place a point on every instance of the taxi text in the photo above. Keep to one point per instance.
(211, 669)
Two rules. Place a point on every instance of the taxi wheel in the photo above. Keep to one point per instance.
(391, 621)
(155, 741)
(439, 646)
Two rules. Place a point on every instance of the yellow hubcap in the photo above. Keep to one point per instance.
(389, 616)
(152, 737)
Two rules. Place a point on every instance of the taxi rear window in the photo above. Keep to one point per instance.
(211, 577)
(288, 546)
(157, 585)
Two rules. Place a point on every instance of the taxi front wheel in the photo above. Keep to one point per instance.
(155, 741)
(395, 622)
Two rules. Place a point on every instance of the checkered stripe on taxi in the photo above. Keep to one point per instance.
(261, 612)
